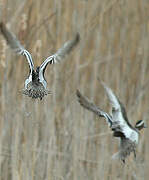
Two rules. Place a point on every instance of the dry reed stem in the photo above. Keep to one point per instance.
(56, 138)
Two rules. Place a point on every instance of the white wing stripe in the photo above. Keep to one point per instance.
(29, 59)
(107, 117)
(43, 65)
(61, 53)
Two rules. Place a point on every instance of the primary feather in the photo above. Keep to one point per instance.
(61, 53)
(86, 103)
(15, 44)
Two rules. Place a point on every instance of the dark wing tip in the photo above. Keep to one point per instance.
(1, 24)
(2, 27)
(77, 37)
(6, 33)
(100, 80)
(82, 100)
(79, 95)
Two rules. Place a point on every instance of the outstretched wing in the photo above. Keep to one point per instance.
(119, 116)
(92, 107)
(61, 53)
(115, 102)
(15, 44)
(112, 97)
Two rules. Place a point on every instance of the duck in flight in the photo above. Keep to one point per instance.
(118, 122)
(35, 84)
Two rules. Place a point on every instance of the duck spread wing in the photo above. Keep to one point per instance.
(61, 53)
(86, 103)
(119, 116)
(15, 44)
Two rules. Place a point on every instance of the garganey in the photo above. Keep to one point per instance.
(118, 123)
(35, 84)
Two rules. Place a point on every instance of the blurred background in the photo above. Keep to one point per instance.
(57, 139)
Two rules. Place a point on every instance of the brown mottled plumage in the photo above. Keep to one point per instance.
(36, 90)
(35, 84)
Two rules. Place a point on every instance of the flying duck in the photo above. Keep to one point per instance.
(118, 122)
(35, 84)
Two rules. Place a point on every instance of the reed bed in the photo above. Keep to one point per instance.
(56, 139)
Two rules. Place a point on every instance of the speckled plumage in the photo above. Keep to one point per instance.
(36, 90)
(35, 84)
(118, 123)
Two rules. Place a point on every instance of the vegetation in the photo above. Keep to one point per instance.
(57, 139)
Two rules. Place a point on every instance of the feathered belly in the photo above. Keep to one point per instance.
(126, 147)
(36, 90)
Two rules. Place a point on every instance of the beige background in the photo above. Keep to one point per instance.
(56, 139)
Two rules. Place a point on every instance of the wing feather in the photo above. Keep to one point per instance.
(92, 107)
(15, 44)
(112, 97)
(61, 53)
(119, 116)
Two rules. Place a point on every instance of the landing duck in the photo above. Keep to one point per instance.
(118, 122)
(36, 84)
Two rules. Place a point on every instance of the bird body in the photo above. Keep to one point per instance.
(118, 122)
(35, 84)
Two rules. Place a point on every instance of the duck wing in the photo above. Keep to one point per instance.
(15, 44)
(60, 54)
(119, 117)
(86, 103)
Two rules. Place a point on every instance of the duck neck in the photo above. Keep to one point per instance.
(35, 76)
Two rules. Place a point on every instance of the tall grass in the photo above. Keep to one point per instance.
(56, 139)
